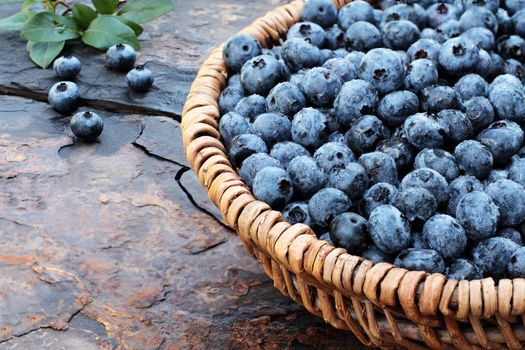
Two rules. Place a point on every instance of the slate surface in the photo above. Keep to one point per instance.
(115, 245)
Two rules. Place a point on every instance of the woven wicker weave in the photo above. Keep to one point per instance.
(382, 305)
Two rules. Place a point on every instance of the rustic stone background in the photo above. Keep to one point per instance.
(115, 245)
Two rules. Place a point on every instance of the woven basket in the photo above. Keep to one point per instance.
(384, 306)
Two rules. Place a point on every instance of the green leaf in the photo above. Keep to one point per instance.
(105, 7)
(106, 31)
(44, 53)
(136, 27)
(83, 15)
(49, 27)
(16, 21)
(143, 11)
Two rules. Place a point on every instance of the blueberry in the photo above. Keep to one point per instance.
(504, 21)
(229, 98)
(492, 5)
(232, 124)
(349, 231)
(336, 136)
(365, 134)
(261, 73)
(343, 68)
(300, 54)
(427, 260)
(425, 49)
(428, 179)
(492, 256)
(321, 86)
(483, 37)
(309, 128)
(322, 12)
(513, 6)
(272, 128)
(441, 12)
(410, 12)
(121, 57)
(429, 33)
(355, 11)
(284, 152)
(420, 74)
(376, 255)
(285, 98)
(506, 79)
(326, 237)
(513, 67)
(518, 22)
(434, 99)
(297, 213)
(517, 171)
(459, 188)
(235, 81)
(459, 125)
(355, 58)
(463, 269)
(444, 234)
(67, 67)
(243, 146)
(383, 68)
(87, 126)
(309, 31)
(404, 57)
(438, 160)
(352, 180)
(377, 195)
(340, 53)
(389, 229)
(512, 234)
(479, 16)
(251, 106)
(415, 203)
(478, 214)
(395, 107)
(362, 36)
(474, 158)
(333, 155)
(356, 98)
(64, 96)
(509, 196)
(417, 240)
(378, 17)
(516, 264)
(327, 204)
(512, 46)
(503, 138)
(449, 29)
(459, 56)
(471, 85)
(426, 131)
(399, 149)
(335, 38)
(480, 112)
(380, 167)
(273, 186)
(495, 175)
(254, 163)
(508, 102)
(140, 79)
(307, 178)
(239, 49)
(484, 67)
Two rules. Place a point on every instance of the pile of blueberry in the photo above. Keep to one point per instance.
(64, 96)
(394, 132)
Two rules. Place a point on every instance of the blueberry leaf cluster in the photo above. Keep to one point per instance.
(48, 25)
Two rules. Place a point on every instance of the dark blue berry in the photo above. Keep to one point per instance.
(517, 171)
(64, 96)
(121, 57)
(478, 214)
(297, 213)
(459, 188)
(463, 269)
(459, 125)
(355, 11)
(399, 149)
(444, 234)
(349, 231)
(321, 86)
(335, 38)
(312, 32)
(140, 79)
(511, 233)
(273, 186)
(232, 124)
(459, 56)
(67, 67)
(425, 49)
(434, 99)
(300, 54)
(322, 12)
(307, 178)
(377, 195)
(356, 98)
(509, 196)
(516, 264)
(272, 128)
(438, 160)
(383, 68)
(395, 107)
(327, 204)
(480, 112)
(427, 260)
(229, 99)
(362, 36)
(511, 46)
(243, 146)
(474, 158)
(285, 98)
(389, 229)
(261, 73)
(416, 203)
(251, 106)
(399, 35)
(428, 179)
(503, 138)
(478, 16)
(471, 85)
(380, 167)
(309, 128)
(365, 133)
(513, 6)
(513, 67)
(333, 155)
(426, 131)
(420, 74)
(441, 12)
(376, 255)
(355, 58)
(254, 163)
(87, 126)
(286, 151)
(483, 37)
(343, 68)
(508, 101)
(352, 180)
(239, 49)
(492, 256)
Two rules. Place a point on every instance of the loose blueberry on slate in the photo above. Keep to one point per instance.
(67, 67)
(428, 96)
(87, 126)
(121, 57)
(64, 96)
(140, 79)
